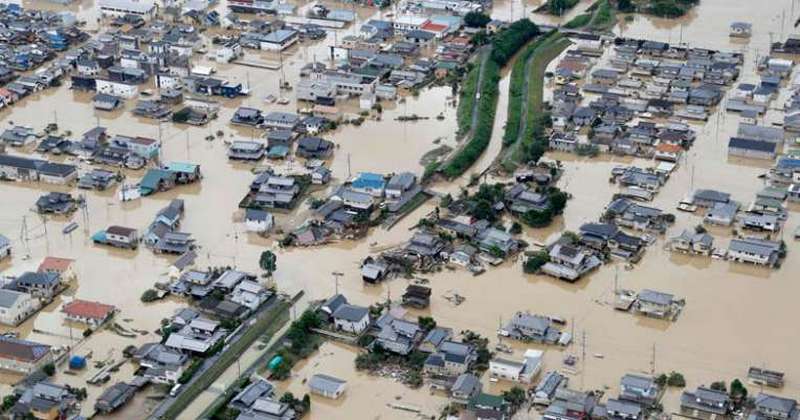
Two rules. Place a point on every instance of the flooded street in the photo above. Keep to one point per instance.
(735, 315)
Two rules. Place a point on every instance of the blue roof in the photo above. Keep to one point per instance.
(369, 180)
(788, 163)
(181, 167)
(748, 144)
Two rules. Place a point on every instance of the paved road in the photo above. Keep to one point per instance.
(168, 401)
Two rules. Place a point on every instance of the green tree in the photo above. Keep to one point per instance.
(268, 261)
(426, 323)
(676, 379)
(558, 201)
(515, 397)
(149, 295)
(738, 391)
(719, 386)
(515, 229)
(49, 369)
(537, 218)
(559, 7)
(483, 211)
(535, 262)
(287, 398)
(9, 401)
(626, 6)
(476, 20)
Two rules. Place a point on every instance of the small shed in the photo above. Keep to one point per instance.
(327, 386)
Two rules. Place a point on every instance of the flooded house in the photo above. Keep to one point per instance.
(97, 179)
(246, 150)
(755, 251)
(277, 192)
(162, 364)
(16, 307)
(314, 148)
(655, 304)
(635, 216)
(774, 407)
(23, 356)
(751, 148)
(258, 221)
(44, 400)
(466, 387)
(157, 180)
(114, 397)
(710, 198)
(88, 312)
(692, 242)
(618, 409)
(44, 286)
(570, 404)
(397, 335)
(199, 336)
(706, 401)
(248, 116)
(450, 359)
(524, 371)
(722, 214)
(26, 169)
(327, 386)
(545, 391)
(765, 377)
(527, 327)
(257, 400)
(570, 262)
(56, 203)
(400, 185)
(352, 319)
(417, 296)
(521, 200)
(117, 236)
(639, 389)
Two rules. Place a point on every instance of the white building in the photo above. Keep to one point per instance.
(522, 372)
(327, 386)
(258, 221)
(351, 318)
(121, 89)
(5, 247)
(117, 8)
(15, 307)
(250, 294)
(278, 40)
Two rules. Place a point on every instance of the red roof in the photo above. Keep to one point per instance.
(669, 148)
(433, 27)
(56, 264)
(87, 309)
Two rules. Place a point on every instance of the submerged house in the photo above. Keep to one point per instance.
(569, 262)
(528, 327)
(692, 242)
(755, 251)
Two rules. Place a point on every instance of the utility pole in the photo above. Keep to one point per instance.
(336, 276)
(85, 213)
(653, 360)
(583, 357)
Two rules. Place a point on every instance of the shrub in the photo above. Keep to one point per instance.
(149, 295)
(535, 262)
(49, 369)
(476, 20)
(676, 379)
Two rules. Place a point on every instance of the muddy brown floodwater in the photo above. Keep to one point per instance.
(736, 316)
